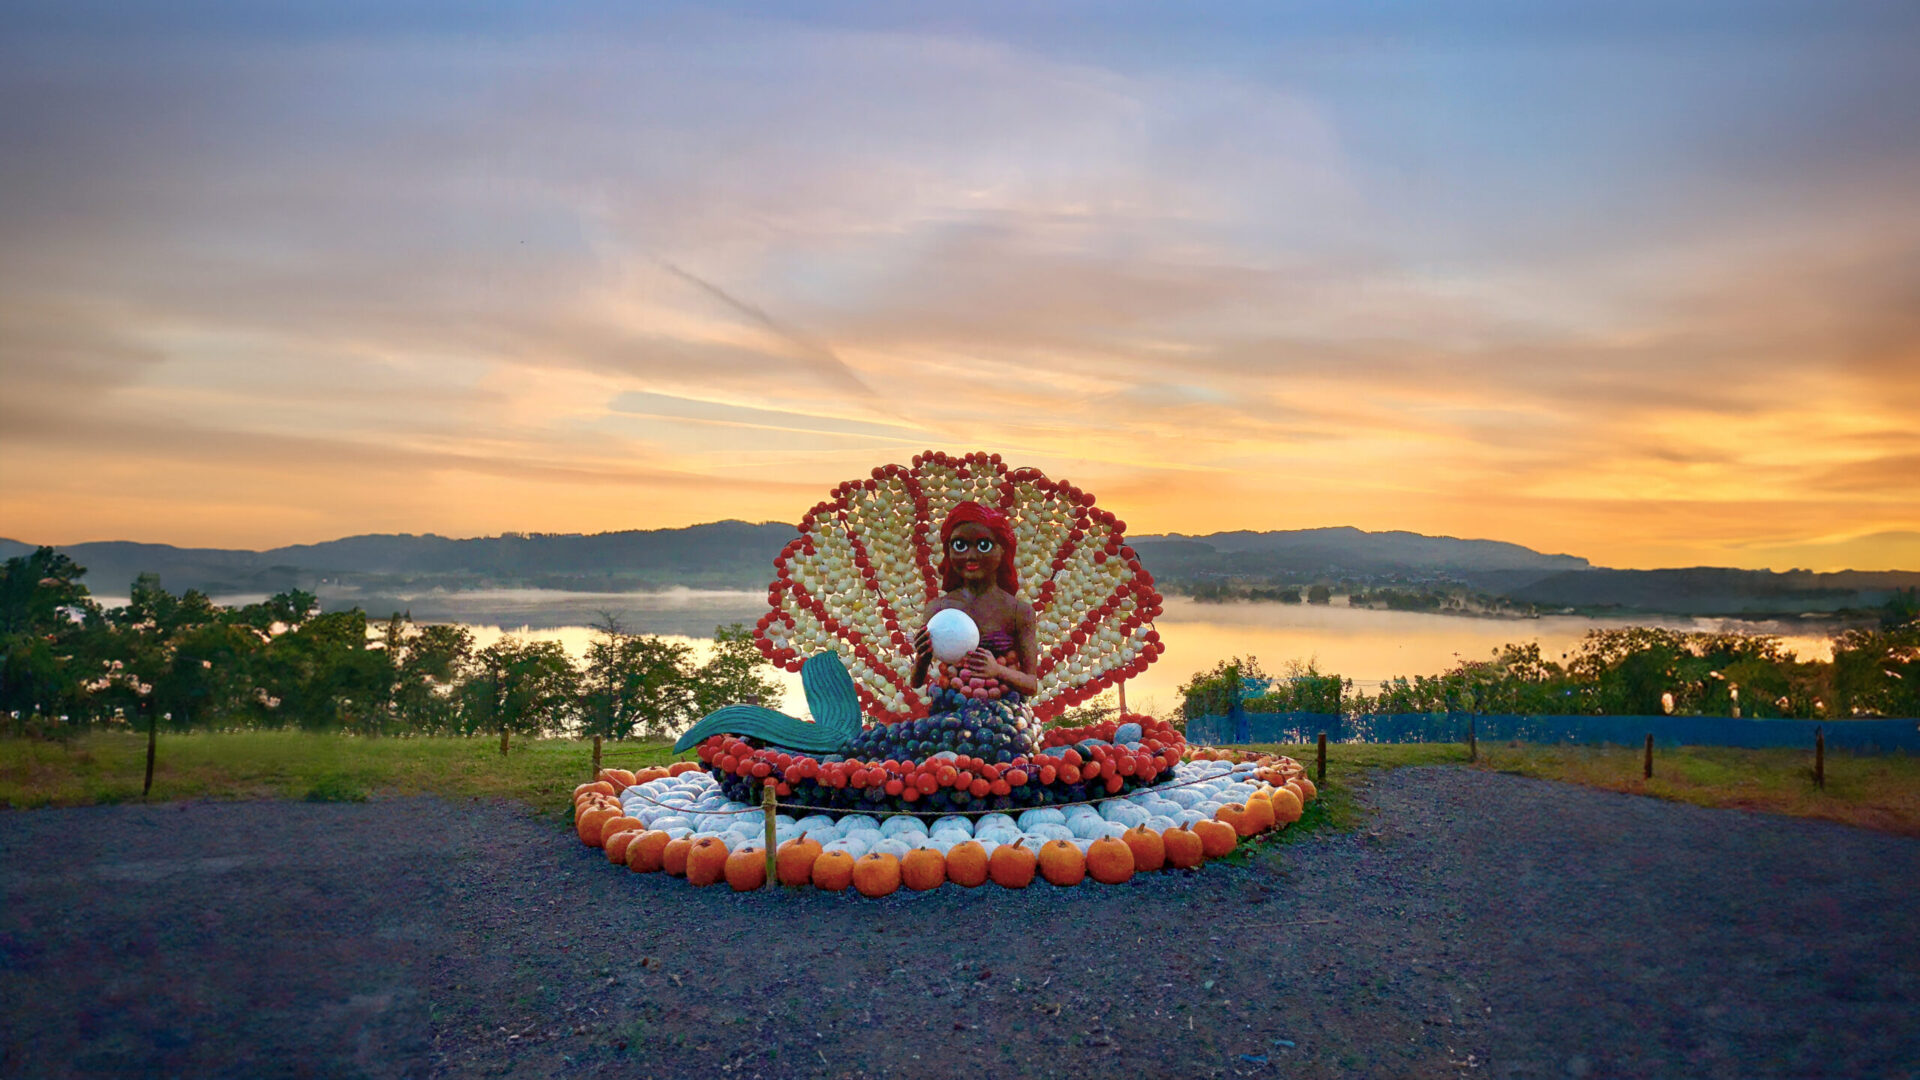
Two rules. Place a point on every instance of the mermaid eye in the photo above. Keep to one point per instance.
(983, 545)
(958, 546)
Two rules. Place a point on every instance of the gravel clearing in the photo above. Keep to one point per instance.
(1478, 925)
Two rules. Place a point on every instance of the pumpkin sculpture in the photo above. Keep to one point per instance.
(966, 745)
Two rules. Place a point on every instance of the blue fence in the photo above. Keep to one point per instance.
(1866, 736)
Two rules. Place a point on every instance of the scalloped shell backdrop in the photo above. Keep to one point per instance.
(865, 565)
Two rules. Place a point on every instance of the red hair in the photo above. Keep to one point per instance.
(972, 512)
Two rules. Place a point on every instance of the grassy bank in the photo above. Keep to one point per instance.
(1875, 791)
(109, 767)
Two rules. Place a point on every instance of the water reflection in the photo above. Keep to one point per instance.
(1364, 645)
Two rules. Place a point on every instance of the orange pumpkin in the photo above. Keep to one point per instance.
(1109, 861)
(649, 774)
(876, 874)
(707, 861)
(967, 864)
(1286, 805)
(1184, 848)
(673, 857)
(747, 869)
(1217, 838)
(1261, 811)
(616, 844)
(647, 852)
(793, 861)
(1012, 865)
(1149, 849)
(1237, 815)
(618, 825)
(681, 767)
(589, 823)
(598, 787)
(1308, 792)
(922, 869)
(833, 871)
(1062, 864)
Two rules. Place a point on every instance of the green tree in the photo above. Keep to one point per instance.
(636, 684)
(1212, 692)
(428, 663)
(42, 646)
(519, 687)
(736, 672)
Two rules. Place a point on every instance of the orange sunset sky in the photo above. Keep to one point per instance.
(1638, 282)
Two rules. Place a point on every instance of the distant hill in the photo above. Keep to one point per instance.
(739, 555)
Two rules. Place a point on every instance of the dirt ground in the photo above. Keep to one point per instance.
(1478, 925)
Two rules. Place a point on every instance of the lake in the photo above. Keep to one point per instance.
(1362, 644)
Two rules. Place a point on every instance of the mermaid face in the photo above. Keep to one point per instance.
(975, 552)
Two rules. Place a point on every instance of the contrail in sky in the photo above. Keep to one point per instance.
(822, 359)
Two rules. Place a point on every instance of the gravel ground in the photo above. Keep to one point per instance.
(1479, 925)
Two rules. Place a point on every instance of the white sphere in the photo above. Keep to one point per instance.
(953, 634)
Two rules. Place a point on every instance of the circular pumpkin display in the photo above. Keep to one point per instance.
(876, 874)
(1062, 864)
(1217, 838)
(1110, 861)
(1184, 848)
(707, 861)
(747, 869)
(967, 864)
(647, 852)
(833, 871)
(793, 860)
(1148, 847)
(673, 857)
(922, 869)
(1012, 865)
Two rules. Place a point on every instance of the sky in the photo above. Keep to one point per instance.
(1633, 281)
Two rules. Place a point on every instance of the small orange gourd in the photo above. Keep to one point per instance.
(680, 768)
(673, 857)
(1149, 849)
(589, 823)
(706, 861)
(967, 864)
(647, 852)
(1062, 864)
(1109, 861)
(876, 874)
(1237, 816)
(1217, 838)
(1308, 792)
(1184, 848)
(922, 869)
(1286, 805)
(833, 871)
(616, 845)
(619, 825)
(747, 869)
(1012, 865)
(1261, 811)
(793, 861)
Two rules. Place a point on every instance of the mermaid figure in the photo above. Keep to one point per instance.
(977, 576)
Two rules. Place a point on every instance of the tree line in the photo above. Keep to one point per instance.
(187, 663)
(1634, 671)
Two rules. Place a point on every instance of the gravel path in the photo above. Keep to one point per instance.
(1480, 925)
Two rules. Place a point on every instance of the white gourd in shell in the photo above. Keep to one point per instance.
(953, 634)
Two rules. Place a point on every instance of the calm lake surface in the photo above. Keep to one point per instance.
(1364, 645)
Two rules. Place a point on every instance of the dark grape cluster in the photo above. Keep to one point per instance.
(993, 731)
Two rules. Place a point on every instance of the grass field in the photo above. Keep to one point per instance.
(1876, 791)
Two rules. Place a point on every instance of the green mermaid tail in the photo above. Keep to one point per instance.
(830, 697)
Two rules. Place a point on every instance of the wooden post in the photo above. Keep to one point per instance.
(503, 742)
(153, 737)
(596, 756)
(1473, 744)
(1646, 769)
(1820, 757)
(1122, 688)
(1321, 775)
(766, 801)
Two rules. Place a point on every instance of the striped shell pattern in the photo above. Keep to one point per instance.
(866, 564)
